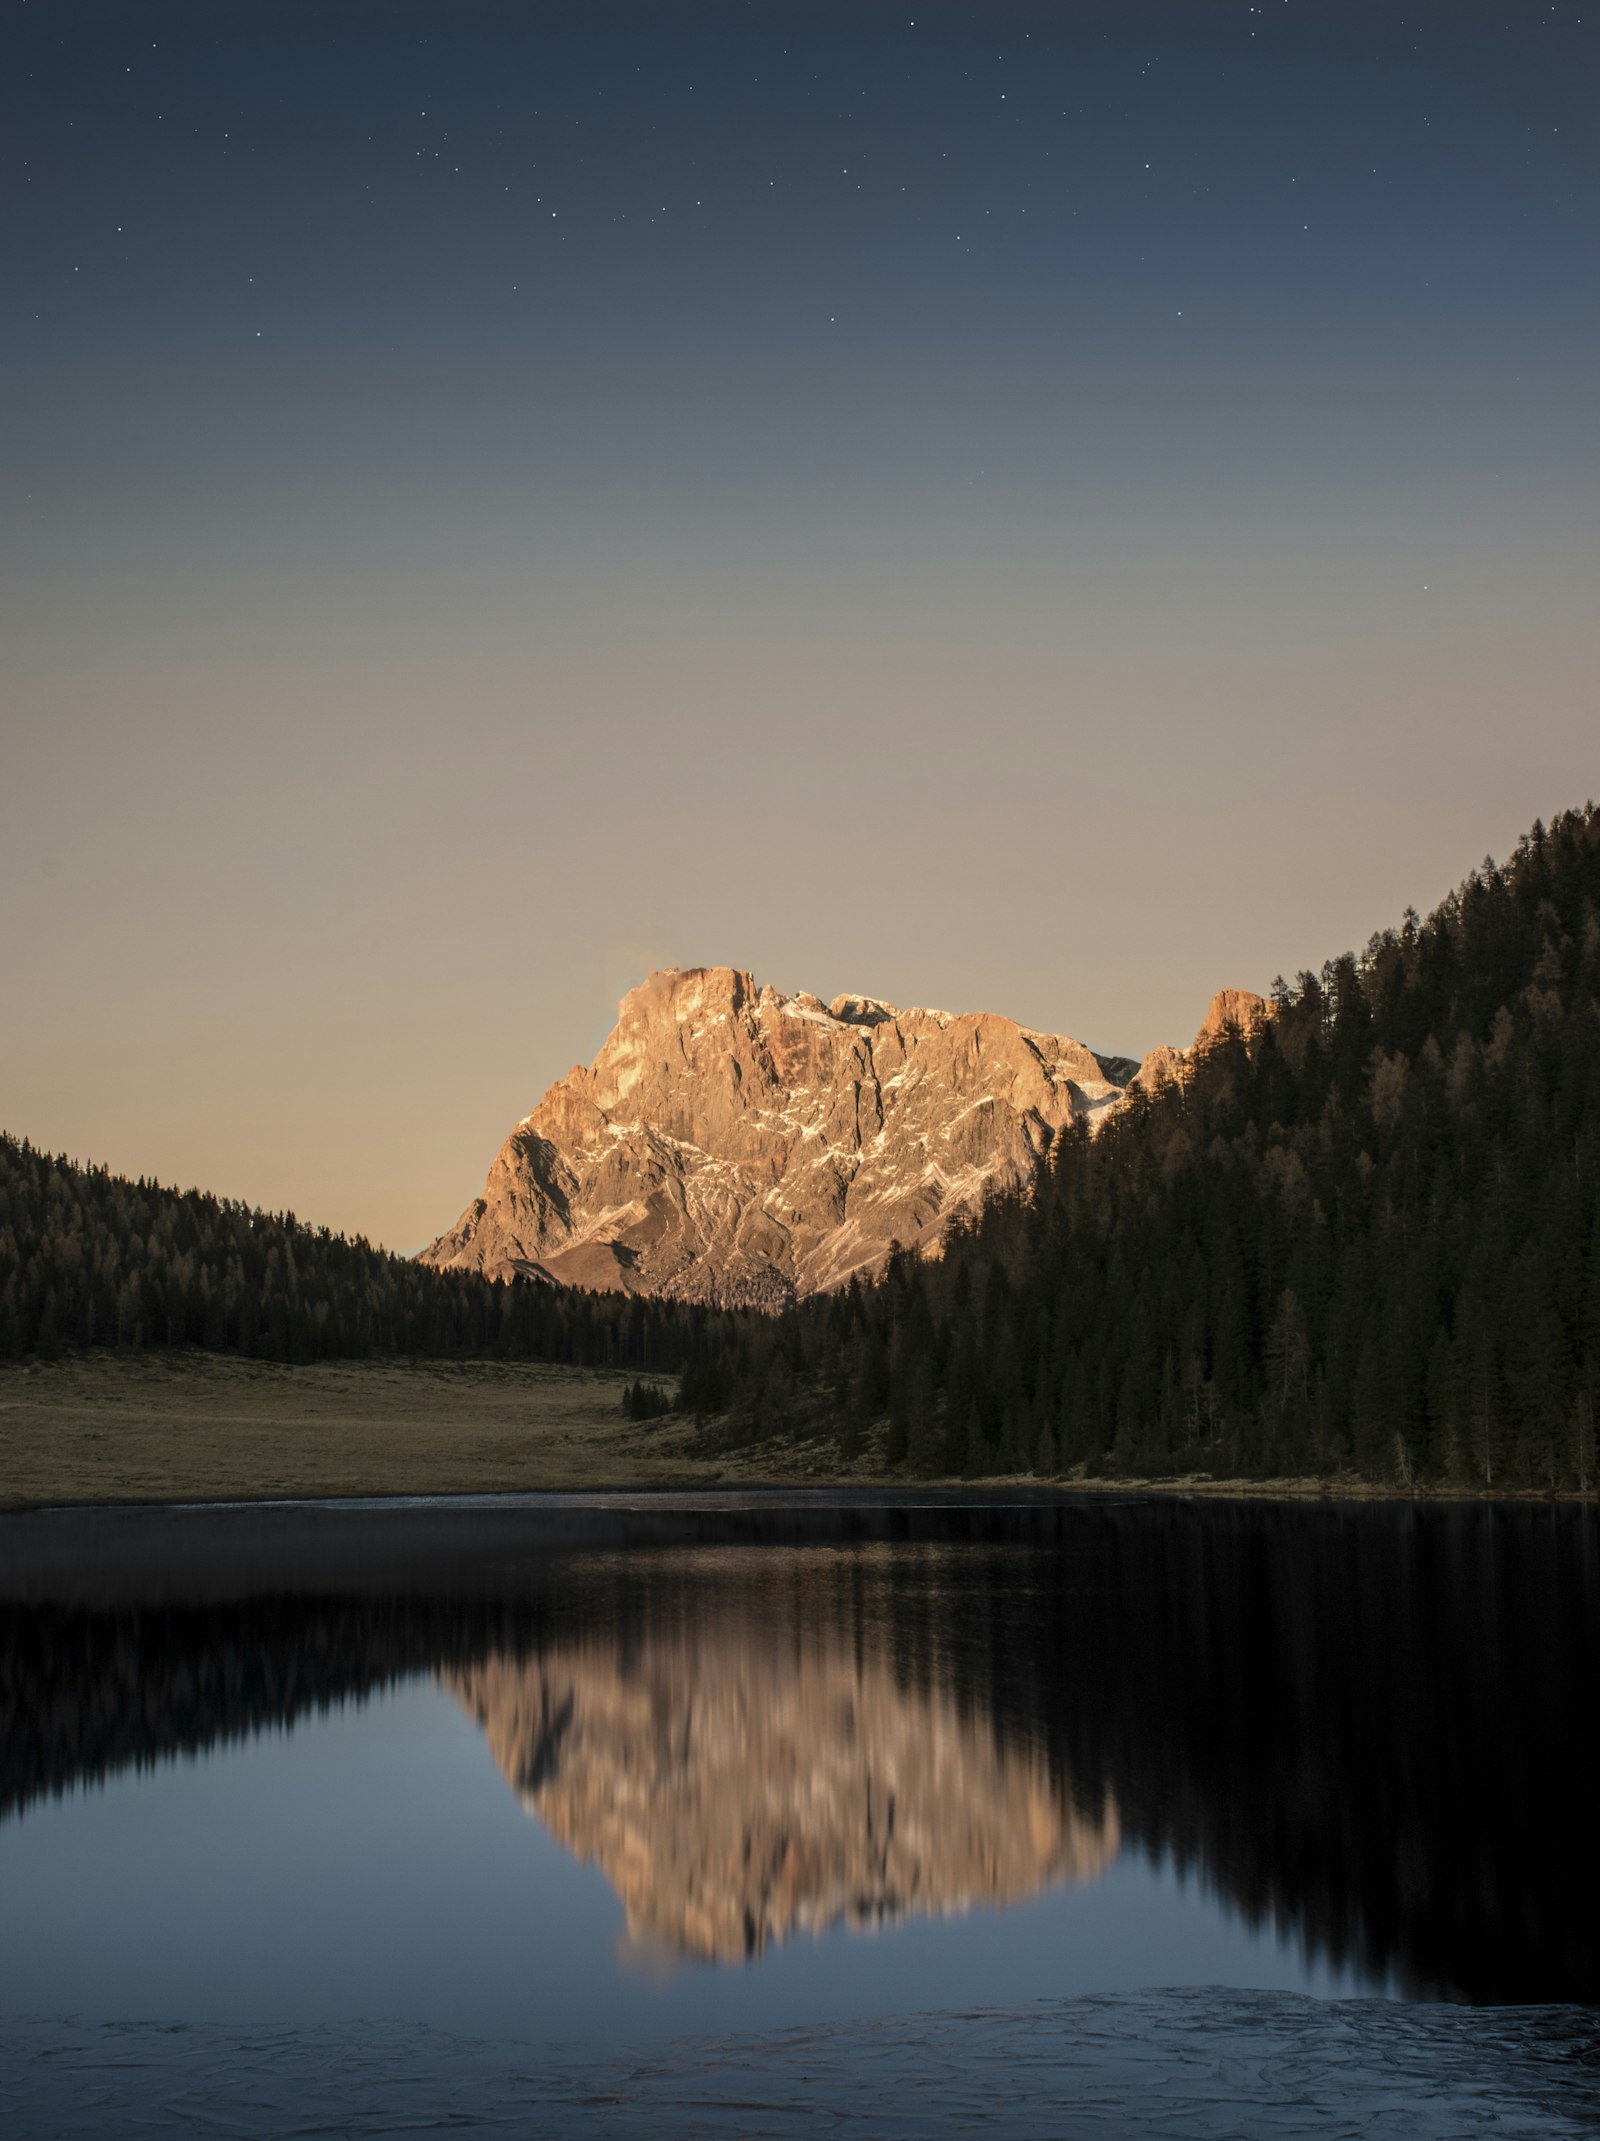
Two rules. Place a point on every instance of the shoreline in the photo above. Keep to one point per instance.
(191, 1430)
(845, 1491)
(205, 1555)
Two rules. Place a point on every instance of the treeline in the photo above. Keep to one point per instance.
(88, 1258)
(1362, 1238)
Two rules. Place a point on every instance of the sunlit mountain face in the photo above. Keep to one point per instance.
(1355, 1727)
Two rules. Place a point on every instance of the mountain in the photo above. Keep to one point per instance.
(730, 1143)
(736, 1790)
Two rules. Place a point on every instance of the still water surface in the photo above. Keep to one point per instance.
(732, 1772)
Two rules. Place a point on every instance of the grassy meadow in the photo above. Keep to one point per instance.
(107, 1426)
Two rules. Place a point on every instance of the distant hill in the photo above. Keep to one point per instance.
(88, 1258)
(1357, 1232)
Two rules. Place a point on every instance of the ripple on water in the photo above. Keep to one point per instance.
(1191, 2065)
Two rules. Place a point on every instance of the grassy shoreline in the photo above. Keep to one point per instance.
(152, 1428)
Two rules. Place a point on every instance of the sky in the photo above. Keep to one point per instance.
(1051, 509)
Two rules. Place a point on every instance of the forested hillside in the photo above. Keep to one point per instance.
(1364, 1238)
(88, 1258)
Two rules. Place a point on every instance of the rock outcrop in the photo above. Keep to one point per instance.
(736, 1792)
(1231, 1011)
(734, 1144)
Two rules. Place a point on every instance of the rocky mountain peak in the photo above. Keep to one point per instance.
(734, 1142)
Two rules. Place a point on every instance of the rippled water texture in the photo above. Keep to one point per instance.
(716, 1806)
(1192, 2066)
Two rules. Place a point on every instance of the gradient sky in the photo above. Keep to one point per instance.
(1052, 509)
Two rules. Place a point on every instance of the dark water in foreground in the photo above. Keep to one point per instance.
(603, 1777)
(1190, 2066)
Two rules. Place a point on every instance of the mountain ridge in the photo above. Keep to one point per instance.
(737, 1144)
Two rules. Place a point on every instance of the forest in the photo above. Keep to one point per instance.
(88, 1258)
(1361, 1239)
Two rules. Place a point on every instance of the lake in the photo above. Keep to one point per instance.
(606, 1776)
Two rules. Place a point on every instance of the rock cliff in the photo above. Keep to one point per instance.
(1232, 1011)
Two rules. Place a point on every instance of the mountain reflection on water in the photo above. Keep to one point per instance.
(736, 1787)
(1363, 1725)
